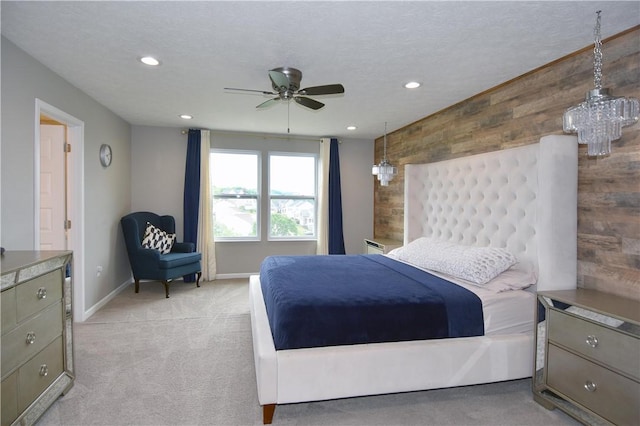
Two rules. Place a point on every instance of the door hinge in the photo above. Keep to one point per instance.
(67, 224)
(67, 147)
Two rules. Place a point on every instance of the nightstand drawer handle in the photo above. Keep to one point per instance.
(592, 341)
(42, 293)
(31, 338)
(44, 370)
(590, 386)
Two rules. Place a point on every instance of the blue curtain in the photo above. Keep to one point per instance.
(336, 236)
(192, 191)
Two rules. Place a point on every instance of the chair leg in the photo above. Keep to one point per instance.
(199, 274)
(166, 288)
(137, 285)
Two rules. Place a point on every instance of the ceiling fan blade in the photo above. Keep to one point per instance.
(329, 89)
(264, 92)
(308, 102)
(268, 103)
(279, 79)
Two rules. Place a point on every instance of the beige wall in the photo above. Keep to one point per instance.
(107, 193)
(521, 111)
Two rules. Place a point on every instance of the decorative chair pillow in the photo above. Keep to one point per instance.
(156, 238)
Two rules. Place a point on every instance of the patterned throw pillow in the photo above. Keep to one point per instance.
(156, 238)
(476, 264)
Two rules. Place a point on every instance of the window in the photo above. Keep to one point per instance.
(235, 186)
(292, 196)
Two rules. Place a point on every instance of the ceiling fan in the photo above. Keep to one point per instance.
(285, 82)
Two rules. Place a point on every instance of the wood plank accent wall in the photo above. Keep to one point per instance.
(520, 112)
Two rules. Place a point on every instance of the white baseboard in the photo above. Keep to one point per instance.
(232, 276)
(105, 300)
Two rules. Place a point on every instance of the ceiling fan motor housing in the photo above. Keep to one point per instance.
(293, 75)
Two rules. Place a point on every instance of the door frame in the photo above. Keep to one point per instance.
(75, 136)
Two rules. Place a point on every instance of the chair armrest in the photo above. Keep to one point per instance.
(145, 260)
(183, 247)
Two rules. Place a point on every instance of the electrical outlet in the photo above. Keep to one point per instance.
(98, 271)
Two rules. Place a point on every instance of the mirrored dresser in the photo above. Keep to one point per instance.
(587, 359)
(37, 333)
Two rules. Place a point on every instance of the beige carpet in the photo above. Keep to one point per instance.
(187, 360)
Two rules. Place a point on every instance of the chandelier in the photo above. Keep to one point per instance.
(385, 171)
(600, 118)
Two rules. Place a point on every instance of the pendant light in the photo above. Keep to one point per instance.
(600, 118)
(385, 171)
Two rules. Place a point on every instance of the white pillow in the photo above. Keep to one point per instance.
(156, 238)
(513, 278)
(478, 265)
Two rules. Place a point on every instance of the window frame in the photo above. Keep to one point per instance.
(257, 197)
(314, 198)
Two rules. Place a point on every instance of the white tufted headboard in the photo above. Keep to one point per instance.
(523, 199)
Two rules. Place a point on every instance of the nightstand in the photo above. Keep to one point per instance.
(587, 359)
(380, 245)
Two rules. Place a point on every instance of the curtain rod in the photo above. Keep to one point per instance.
(260, 135)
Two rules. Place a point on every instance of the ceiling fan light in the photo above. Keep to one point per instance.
(412, 85)
(186, 116)
(351, 127)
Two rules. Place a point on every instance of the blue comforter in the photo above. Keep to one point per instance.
(316, 301)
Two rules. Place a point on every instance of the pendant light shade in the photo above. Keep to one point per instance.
(384, 170)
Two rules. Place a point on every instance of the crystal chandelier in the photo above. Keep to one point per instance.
(600, 118)
(385, 171)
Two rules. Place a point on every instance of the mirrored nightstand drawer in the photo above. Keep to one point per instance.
(611, 395)
(602, 344)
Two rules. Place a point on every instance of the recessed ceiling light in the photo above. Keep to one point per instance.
(351, 127)
(186, 116)
(150, 60)
(412, 85)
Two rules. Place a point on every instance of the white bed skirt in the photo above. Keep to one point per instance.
(315, 374)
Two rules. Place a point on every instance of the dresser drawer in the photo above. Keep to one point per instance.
(42, 328)
(37, 294)
(607, 346)
(612, 396)
(9, 399)
(8, 306)
(36, 375)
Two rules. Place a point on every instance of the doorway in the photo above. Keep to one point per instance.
(59, 192)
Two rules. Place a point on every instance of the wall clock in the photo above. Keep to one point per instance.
(105, 155)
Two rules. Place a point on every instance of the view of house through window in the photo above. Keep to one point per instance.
(292, 196)
(236, 190)
(235, 183)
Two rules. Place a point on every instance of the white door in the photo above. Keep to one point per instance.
(52, 188)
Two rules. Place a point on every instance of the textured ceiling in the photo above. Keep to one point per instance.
(456, 49)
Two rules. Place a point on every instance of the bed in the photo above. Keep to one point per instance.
(521, 199)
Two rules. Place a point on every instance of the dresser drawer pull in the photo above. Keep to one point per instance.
(44, 370)
(31, 338)
(592, 341)
(590, 386)
(42, 293)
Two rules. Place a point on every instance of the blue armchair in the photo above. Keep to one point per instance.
(150, 264)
